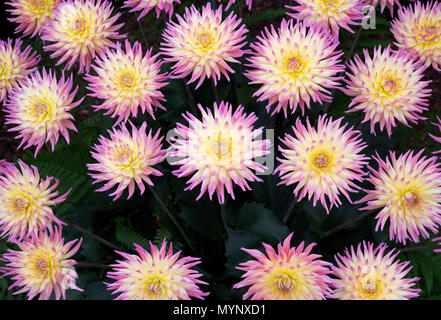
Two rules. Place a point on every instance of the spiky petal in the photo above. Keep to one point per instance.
(249, 3)
(42, 266)
(38, 109)
(155, 275)
(383, 3)
(126, 81)
(80, 30)
(437, 139)
(369, 273)
(126, 160)
(219, 150)
(418, 30)
(289, 274)
(294, 65)
(324, 162)
(25, 202)
(202, 44)
(145, 6)
(387, 88)
(15, 65)
(408, 192)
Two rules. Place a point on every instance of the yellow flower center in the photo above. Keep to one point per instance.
(430, 32)
(125, 156)
(79, 25)
(293, 64)
(127, 80)
(155, 287)
(38, 4)
(370, 286)
(410, 198)
(3, 69)
(204, 39)
(285, 284)
(222, 147)
(19, 204)
(322, 160)
(389, 85)
(40, 109)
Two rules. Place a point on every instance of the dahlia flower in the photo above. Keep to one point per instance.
(323, 161)
(155, 275)
(289, 274)
(387, 88)
(126, 81)
(419, 31)
(408, 192)
(146, 5)
(31, 15)
(80, 30)
(38, 108)
(370, 273)
(15, 65)
(219, 150)
(25, 202)
(294, 66)
(383, 3)
(202, 43)
(126, 159)
(330, 14)
(42, 265)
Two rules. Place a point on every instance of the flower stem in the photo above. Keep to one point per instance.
(288, 212)
(223, 213)
(144, 37)
(420, 248)
(86, 264)
(216, 95)
(346, 223)
(190, 98)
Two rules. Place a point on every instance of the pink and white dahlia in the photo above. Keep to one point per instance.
(25, 202)
(202, 43)
(155, 275)
(126, 160)
(323, 162)
(294, 65)
(408, 192)
(370, 273)
(145, 6)
(80, 30)
(289, 274)
(383, 3)
(43, 266)
(418, 30)
(31, 15)
(38, 109)
(219, 150)
(387, 87)
(15, 65)
(330, 14)
(126, 81)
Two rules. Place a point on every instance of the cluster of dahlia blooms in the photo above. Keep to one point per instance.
(155, 275)
(219, 150)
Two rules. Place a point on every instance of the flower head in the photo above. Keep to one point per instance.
(383, 3)
(42, 265)
(294, 66)
(15, 65)
(419, 31)
(80, 30)
(408, 192)
(127, 81)
(372, 274)
(145, 6)
(127, 159)
(31, 15)
(289, 274)
(323, 161)
(387, 88)
(25, 202)
(38, 109)
(330, 14)
(219, 150)
(202, 43)
(155, 275)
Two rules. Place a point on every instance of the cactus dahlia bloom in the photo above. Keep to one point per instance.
(146, 5)
(42, 265)
(322, 161)
(372, 274)
(330, 14)
(383, 3)
(219, 150)
(155, 275)
(80, 30)
(15, 65)
(289, 274)
(31, 15)
(294, 66)
(25, 202)
(408, 192)
(202, 43)
(126, 81)
(419, 31)
(387, 88)
(38, 108)
(126, 159)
